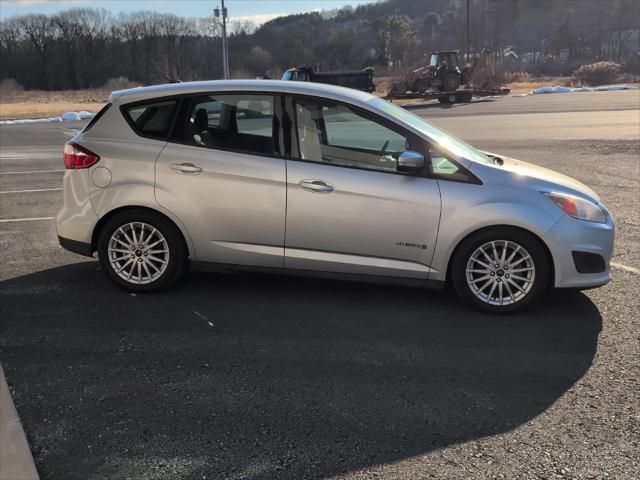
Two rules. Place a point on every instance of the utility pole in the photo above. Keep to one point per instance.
(468, 31)
(225, 53)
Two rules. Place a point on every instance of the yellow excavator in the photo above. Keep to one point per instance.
(443, 79)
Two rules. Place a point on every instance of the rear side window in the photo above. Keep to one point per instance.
(241, 123)
(96, 117)
(151, 120)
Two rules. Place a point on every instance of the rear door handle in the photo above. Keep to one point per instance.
(186, 167)
(316, 186)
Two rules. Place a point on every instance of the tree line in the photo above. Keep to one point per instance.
(83, 47)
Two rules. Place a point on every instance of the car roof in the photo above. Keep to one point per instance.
(275, 86)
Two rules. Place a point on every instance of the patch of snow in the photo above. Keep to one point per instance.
(70, 116)
(65, 117)
(582, 89)
(616, 87)
(560, 89)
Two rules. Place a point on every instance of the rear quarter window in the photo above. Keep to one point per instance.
(96, 117)
(152, 119)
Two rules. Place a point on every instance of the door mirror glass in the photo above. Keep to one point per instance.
(410, 162)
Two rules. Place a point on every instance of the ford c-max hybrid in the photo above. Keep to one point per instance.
(304, 177)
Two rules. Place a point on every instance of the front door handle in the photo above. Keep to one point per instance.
(316, 186)
(186, 167)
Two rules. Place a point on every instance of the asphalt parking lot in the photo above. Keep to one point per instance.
(250, 376)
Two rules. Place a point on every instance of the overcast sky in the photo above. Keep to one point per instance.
(258, 11)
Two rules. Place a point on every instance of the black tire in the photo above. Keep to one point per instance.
(177, 251)
(450, 82)
(448, 100)
(422, 85)
(464, 97)
(520, 237)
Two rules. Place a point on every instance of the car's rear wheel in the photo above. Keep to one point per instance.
(500, 270)
(141, 251)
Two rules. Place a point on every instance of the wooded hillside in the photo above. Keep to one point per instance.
(83, 48)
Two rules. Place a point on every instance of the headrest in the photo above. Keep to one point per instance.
(201, 120)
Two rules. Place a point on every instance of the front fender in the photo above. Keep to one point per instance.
(468, 208)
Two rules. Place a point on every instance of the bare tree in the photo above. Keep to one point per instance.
(242, 27)
(10, 37)
(260, 59)
(150, 33)
(127, 33)
(82, 47)
(396, 41)
(68, 29)
(173, 30)
(39, 30)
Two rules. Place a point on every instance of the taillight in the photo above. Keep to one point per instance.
(76, 156)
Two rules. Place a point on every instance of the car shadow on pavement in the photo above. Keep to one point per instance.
(255, 376)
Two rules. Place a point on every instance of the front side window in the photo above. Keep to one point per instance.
(334, 133)
(151, 119)
(241, 123)
(445, 141)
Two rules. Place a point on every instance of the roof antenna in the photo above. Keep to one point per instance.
(163, 73)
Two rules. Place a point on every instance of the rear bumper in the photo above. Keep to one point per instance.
(569, 240)
(75, 246)
(77, 218)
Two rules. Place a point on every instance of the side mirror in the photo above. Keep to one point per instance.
(410, 162)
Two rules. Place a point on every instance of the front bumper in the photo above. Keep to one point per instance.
(590, 239)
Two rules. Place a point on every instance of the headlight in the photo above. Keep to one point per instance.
(578, 207)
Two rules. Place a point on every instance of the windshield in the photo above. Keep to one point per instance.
(443, 139)
(434, 60)
(288, 75)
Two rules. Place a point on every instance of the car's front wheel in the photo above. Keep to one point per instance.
(500, 270)
(141, 251)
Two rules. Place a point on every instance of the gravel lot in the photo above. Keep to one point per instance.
(252, 377)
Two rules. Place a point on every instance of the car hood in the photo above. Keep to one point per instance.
(543, 179)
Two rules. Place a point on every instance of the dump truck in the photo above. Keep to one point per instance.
(356, 79)
(443, 79)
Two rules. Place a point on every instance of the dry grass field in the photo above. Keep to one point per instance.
(19, 104)
(16, 104)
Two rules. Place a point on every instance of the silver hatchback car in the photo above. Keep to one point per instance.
(304, 177)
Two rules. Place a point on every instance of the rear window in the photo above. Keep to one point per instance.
(152, 120)
(96, 117)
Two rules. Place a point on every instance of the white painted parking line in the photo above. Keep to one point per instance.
(13, 155)
(625, 267)
(33, 219)
(31, 171)
(35, 190)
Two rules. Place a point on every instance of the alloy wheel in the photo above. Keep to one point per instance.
(138, 253)
(500, 272)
